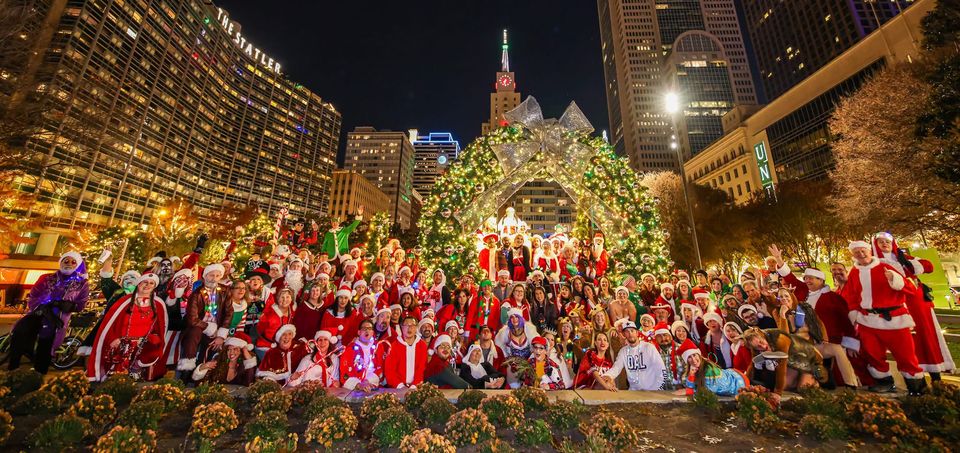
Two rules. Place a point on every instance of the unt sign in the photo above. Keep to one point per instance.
(763, 165)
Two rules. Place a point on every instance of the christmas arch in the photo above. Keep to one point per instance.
(607, 193)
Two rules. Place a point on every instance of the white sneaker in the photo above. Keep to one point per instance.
(84, 351)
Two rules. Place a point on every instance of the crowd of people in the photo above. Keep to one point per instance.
(304, 310)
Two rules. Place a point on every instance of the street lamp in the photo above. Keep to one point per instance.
(671, 104)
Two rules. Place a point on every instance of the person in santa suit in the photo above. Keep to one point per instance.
(409, 303)
(459, 312)
(207, 309)
(321, 365)
(518, 301)
(596, 361)
(598, 255)
(427, 331)
(488, 256)
(491, 353)
(341, 318)
(876, 298)
(518, 257)
(673, 372)
(382, 329)
(235, 364)
(404, 283)
(486, 310)
(293, 278)
(176, 297)
(442, 370)
(309, 313)
(666, 302)
(735, 353)
(840, 342)
(280, 361)
(350, 274)
(130, 339)
(548, 262)
(359, 367)
(438, 295)
(275, 316)
(931, 347)
(514, 340)
(407, 358)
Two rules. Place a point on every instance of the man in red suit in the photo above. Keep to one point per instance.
(488, 256)
(876, 301)
(359, 367)
(841, 341)
(931, 347)
(407, 357)
(598, 255)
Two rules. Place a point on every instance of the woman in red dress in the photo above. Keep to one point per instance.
(341, 319)
(595, 362)
(273, 317)
(130, 338)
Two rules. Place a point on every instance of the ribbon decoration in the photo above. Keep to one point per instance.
(550, 150)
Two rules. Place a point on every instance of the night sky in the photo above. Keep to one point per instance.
(431, 64)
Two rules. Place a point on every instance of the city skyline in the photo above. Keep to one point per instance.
(427, 83)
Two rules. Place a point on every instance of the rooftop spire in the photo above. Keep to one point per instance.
(505, 59)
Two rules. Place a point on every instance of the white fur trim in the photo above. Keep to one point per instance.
(199, 373)
(878, 374)
(211, 329)
(898, 282)
(213, 267)
(875, 321)
(689, 352)
(282, 329)
(858, 244)
(273, 376)
(783, 270)
(186, 364)
(815, 273)
(223, 332)
(917, 266)
(351, 383)
(850, 343)
(250, 363)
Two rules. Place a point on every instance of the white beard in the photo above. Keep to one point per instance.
(597, 250)
(178, 292)
(294, 281)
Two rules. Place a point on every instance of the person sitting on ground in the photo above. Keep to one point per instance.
(705, 374)
(546, 372)
(479, 373)
(442, 369)
(235, 364)
(783, 361)
(640, 359)
(596, 361)
(323, 365)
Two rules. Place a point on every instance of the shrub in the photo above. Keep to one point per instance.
(822, 427)
(99, 410)
(69, 386)
(143, 415)
(470, 399)
(936, 413)
(414, 398)
(756, 409)
(321, 403)
(6, 426)
(612, 429)
(437, 409)
(273, 402)
(816, 401)
(469, 427)
(372, 407)
(285, 445)
(40, 402)
(122, 439)
(338, 424)
(120, 387)
(426, 441)
(706, 400)
(496, 446)
(21, 381)
(211, 421)
(207, 393)
(504, 411)
(565, 415)
(533, 399)
(269, 426)
(60, 433)
(261, 387)
(589, 445)
(392, 426)
(534, 433)
(305, 392)
(946, 390)
(171, 396)
(170, 381)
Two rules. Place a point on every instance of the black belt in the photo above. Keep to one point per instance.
(884, 312)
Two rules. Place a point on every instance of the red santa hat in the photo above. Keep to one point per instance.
(541, 341)
(441, 340)
(240, 340)
(697, 312)
(887, 236)
(452, 323)
(735, 326)
(428, 313)
(396, 307)
(359, 283)
(404, 290)
(323, 276)
(186, 272)
(213, 267)
(349, 263)
(424, 322)
(660, 306)
(700, 293)
(284, 329)
(491, 237)
(323, 333)
(661, 329)
(647, 274)
(384, 310)
(378, 274)
(815, 273)
(537, 272)
(687, 349)
(712, 316)
(598, 235)
(858, 244)
(368, 296)
(405, 270)
(621, 288)
(148, 276)
(665, 285)
(647, 316)
(678, 324)
(344, 293)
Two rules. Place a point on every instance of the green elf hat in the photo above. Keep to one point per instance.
(486, 283)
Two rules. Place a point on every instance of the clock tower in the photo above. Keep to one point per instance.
(505, 96)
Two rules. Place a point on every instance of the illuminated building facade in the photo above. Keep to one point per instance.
(434, 153)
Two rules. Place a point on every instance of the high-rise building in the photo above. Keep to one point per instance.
(794, 39)
(163, 99)
(505, 96)
(386, 159)
(543, 205)
(350, 190)
(638, 37)
(434, 154)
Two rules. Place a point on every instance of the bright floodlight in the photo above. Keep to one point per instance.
(672, 102)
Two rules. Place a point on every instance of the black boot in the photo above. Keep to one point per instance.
(884, 385)
(916, 387)
(934, 377)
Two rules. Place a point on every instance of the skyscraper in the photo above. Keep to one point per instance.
(505, 96)
(156, 100)
(637, 39)
(434, 153)
(386, 159)
(794, 39)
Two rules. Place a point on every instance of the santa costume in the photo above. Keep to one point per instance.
(598, 254)
(140, 324)
(244, 370)
(207, 311)
(358, 364)
(323, 368)
(405, 362)
(928, 341)
(488, 256)
(279, 362)
(877, 307)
